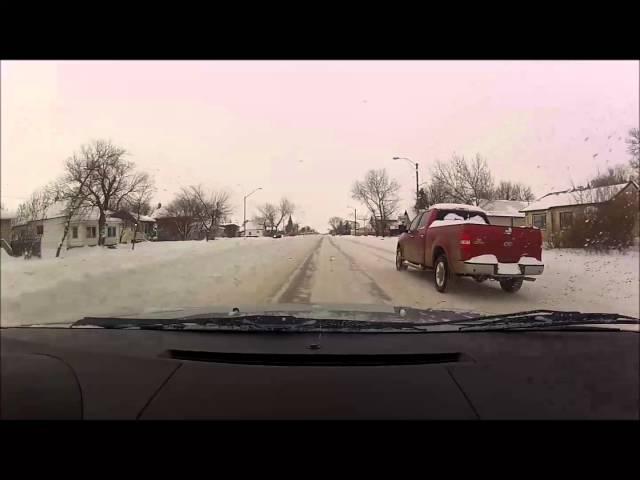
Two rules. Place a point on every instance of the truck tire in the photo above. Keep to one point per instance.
(443, 277)
(400, 262)
(511, 285)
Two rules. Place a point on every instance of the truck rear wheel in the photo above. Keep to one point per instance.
(442, 274)
(400, 262)
(511, 285)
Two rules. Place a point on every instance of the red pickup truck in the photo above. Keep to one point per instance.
(458, 240)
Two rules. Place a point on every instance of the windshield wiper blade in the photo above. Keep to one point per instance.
(247, 323)
(543, 319)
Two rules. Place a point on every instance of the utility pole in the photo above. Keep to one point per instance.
(416, 165)
(355, 221)
(244, 217)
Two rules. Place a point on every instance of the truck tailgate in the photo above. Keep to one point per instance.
(508, 244)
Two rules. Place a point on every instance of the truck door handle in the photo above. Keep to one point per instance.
(421, 236)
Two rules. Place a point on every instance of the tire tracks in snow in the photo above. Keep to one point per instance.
(386, 259)
(374, 289)
(297, 288)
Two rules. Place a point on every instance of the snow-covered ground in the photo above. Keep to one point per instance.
(308, 269)
(573, 279)
(98, 281)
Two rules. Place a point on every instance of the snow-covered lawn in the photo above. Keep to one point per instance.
(572, 279)
(19, 275)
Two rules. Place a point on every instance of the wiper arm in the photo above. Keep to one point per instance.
(544, 319)
(247, 323)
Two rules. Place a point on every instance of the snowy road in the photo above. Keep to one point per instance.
(308, 269)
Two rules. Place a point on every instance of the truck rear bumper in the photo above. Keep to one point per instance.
(494, 270)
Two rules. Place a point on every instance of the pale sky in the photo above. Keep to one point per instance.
(308, 129)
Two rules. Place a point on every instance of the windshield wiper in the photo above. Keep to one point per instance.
(543, 319)
(247, 323)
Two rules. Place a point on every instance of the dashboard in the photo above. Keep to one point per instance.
(101, 374)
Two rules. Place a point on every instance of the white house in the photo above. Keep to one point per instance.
(505, 212)
(252, 230)
(83, 229)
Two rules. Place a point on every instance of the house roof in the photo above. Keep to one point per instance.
(576, 197)
(503, 208)
(160, 213)
(57, 210)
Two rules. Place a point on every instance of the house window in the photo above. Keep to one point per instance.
(111, 232)
(91, 232)
(74, 232)
(540, 221)
(566, 220)
(40, 229)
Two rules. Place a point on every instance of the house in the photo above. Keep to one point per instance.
(505, 212)
(146, 230)
(171, 227)
(555, 211)
(252, 230)
(230, 229)
(390, 226)
(351, 226)
(7, 219)
(45, 235)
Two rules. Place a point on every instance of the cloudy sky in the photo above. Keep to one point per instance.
(308, 129)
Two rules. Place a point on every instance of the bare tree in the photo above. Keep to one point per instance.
(185, 211)
(140, 200)
(465, 181)
(507, 190)
(379, 194)
(214, 207)
(267, 216)
(334, 223)
(612, 176)
(437, 193)
(285, 208)
(633, 147)
(32, 212)
(111, 182)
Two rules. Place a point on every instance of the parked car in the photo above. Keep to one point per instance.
(458, 240)
(277, 235)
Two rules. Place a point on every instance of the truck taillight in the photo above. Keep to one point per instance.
(465, 245)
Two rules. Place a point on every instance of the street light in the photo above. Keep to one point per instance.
(355, 221)
(244, 219)
(416, 165)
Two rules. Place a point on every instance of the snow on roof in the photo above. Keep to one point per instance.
(575, 197)
(146, 218)
(87, 213)
(456, 206)
(160, 213)
(503, 208)
(7, 214)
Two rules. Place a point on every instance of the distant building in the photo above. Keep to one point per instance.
(146, 229)
(555, 211)
(252, 230)
(7, 218)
